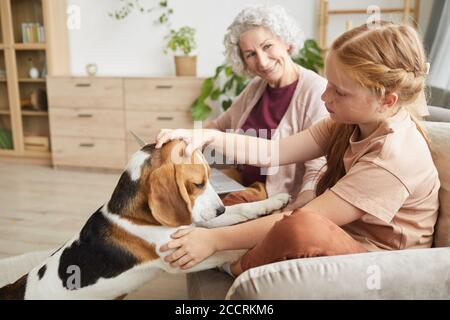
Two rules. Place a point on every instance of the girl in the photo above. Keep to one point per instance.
(380, 187)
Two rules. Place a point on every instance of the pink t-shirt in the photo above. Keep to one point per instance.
(266, 115)
(391, 176)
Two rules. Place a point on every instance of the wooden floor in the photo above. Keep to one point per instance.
(41, 208)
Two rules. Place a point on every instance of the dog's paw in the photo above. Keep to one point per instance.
(274, 203)
(279, 201)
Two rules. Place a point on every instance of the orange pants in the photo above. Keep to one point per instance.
(301, 235)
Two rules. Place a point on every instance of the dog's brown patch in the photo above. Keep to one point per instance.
(138, 247)
(167, 198)
(14, 291)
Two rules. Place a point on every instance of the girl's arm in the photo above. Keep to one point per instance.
(259, 152)
(194, 245)
(334, 208)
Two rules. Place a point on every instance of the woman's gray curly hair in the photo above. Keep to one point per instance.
(273, 18)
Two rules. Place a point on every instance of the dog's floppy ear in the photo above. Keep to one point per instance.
(168, 199)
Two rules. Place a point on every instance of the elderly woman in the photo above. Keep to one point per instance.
(282, 99)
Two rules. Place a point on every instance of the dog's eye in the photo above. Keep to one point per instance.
(199, 185)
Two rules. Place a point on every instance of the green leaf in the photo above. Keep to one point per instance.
(226, 104)
(228, 85)
(219, 70)
(207, 87)
(310, 56)
(200, 110)
(228, 71)
(216, 94)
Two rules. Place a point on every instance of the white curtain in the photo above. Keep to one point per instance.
(439, 58)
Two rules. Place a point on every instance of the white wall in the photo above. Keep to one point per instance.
(134, 46)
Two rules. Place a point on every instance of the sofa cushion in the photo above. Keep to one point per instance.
(439, 135)
(438, 114)
(402, 274)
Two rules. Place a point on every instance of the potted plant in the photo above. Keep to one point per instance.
(182, 43)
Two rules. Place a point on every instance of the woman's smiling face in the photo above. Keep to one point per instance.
(265, 55)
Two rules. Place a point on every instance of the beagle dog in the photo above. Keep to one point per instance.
(118, 249)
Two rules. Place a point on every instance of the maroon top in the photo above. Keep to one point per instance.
(266, 114)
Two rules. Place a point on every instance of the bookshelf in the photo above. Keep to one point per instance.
(33, 35)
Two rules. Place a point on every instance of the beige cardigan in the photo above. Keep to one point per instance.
(306, 108)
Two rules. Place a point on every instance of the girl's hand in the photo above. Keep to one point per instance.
(192, 246)
(194, 138)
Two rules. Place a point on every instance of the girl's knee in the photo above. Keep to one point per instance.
(308, 220)
(301, 228)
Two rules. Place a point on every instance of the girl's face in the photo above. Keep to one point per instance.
(345, 99)
(266, 55)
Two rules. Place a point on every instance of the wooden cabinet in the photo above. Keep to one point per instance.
(91, 118)
(29, 51)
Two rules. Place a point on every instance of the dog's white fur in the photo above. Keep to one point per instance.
(203, 214)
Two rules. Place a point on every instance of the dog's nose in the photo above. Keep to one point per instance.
(220, 210)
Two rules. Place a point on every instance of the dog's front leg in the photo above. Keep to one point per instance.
(217, 260)
(247, 211)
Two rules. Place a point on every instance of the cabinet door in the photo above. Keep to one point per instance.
(88, 152)
(85, 92)
(161, 94)
(87, 122)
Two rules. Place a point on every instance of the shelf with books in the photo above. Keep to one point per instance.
(26, 16)
(33, 33)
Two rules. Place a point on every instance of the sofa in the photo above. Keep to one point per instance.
(403, 274)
